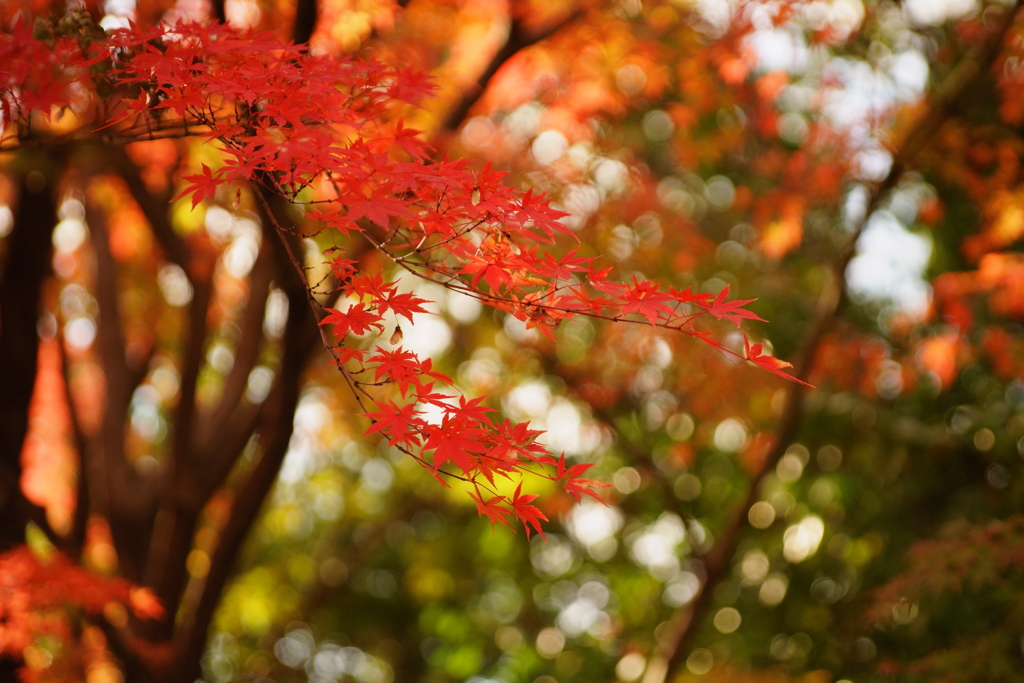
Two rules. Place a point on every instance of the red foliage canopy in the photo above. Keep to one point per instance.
(327, 134)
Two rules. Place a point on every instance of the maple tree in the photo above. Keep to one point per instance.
(667, 148)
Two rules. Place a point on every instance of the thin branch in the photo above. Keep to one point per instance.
(451, 281)
(518, 39)
(225, 446)
(154, 208)
(110, 333)
(75, 541)
(675, 647)
(192, 363)
(179, 130)
(246, 353)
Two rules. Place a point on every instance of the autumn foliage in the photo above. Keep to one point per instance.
(40, 599)
(231, 200)
(326, 134)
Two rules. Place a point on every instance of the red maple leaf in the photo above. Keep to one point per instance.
(494, 272)
(563, 268)
(398, 422)
(646, 299)
(203, 185)
(472, 410)
(399, 366)
(576, 485)
(769, 363)
(516, 439)
(490, 465)
(493, 509)
(454, 440)
(373, 286)
(529, 515)
(343, 269)
(732, 311)
(377, 209)
(356, 319)
(403, 304)
(409, 140)
(573, 471)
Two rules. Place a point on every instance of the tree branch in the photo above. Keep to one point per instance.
(247, 352)
(231, 435)
(675, 647)
(76, 538)
(128, 498)
(276, 426)
(224, 433)
(306, 13)
(217, 11)
(180, 499)
(154, 208)
(193, 360)
(518, 39)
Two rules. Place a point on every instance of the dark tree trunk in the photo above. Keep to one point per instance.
(25, 267)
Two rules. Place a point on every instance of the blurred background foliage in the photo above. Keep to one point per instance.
(705, 144)
(700, 152)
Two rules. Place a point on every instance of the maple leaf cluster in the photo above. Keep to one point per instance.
(326, 134)
(44, 597)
